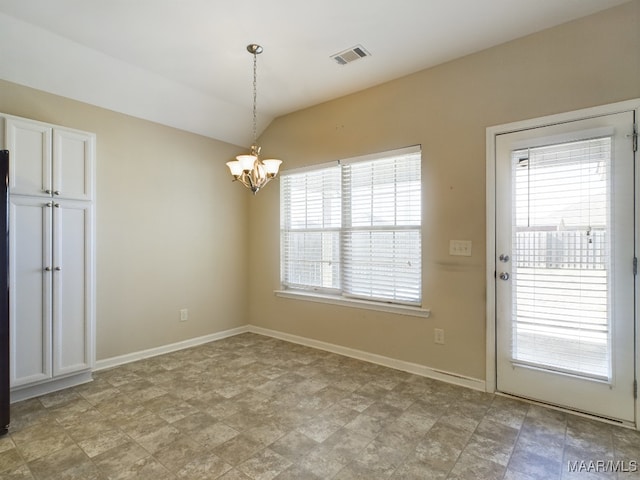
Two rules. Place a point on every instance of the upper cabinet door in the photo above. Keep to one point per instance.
(73, 154)
(30, 159)
(48, 161)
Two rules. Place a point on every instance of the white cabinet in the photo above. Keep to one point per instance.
(72, 272)
(30, 290)
(49, 161)
(51, 266)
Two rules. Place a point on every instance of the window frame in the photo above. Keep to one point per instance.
(339, 296)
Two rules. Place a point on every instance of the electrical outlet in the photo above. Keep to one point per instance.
(438, 336)
(184, 315)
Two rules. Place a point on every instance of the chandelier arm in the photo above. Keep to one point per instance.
(246, 181)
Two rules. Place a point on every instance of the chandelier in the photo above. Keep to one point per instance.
(249, 169)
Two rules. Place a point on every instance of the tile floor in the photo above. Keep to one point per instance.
(255, 408)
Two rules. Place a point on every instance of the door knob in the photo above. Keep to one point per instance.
(504, 276)
(504, 258)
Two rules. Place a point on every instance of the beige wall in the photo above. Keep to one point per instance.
(171, 227)
(168, 237)
(446, 109)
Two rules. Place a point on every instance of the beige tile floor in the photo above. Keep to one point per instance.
(255, 408)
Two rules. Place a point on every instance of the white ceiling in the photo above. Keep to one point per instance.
(184, 63)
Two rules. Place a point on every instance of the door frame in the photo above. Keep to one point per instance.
(491, 133)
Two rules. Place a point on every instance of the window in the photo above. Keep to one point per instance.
(353, 228)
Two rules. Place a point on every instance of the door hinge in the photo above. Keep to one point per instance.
(635, 389)
(635, 266)
(634, 135)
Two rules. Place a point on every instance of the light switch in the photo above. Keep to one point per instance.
(460, 248)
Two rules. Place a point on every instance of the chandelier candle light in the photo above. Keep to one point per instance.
(252, 172)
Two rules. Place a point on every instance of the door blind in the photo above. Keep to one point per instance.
(561, 257)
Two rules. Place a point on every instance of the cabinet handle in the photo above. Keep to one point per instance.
(57, 205)
(47, 191)
(47, 269)
(56, 192)
(48, 204)
(58, 269)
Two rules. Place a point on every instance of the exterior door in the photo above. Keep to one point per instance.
(565, 265)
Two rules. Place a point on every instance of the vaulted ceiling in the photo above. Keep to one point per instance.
(184, 63)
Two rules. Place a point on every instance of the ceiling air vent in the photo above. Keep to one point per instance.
(350, 55)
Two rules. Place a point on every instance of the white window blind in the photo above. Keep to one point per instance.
(310, 217)
(382, 229)
(355, 228)
(561, 254)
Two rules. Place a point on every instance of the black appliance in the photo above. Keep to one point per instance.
(4, 291)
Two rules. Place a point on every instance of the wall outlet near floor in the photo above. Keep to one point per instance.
(184, 314)
(438, 336)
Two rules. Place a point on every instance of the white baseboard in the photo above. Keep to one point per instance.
(153, 352)
(24, 393)
(422, 370)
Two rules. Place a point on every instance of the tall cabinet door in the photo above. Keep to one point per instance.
(30, 145)
(72, 164)
(72, 271)
(30, 268)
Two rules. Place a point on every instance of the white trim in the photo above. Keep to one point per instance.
(362, 158)
(491, 133)
(578, 413)
(389, 153)
(490, 375)
(414, 368)
(585, 113)
(413, 311)
(309, 168)
(172, 347)
(37, 390)
(574, 136)
(637, 253)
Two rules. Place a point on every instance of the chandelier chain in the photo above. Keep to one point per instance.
(255, 96)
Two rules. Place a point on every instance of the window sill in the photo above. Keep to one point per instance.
(354, 303)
